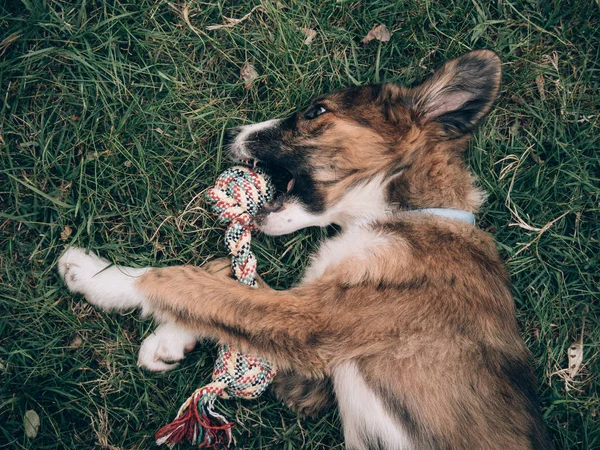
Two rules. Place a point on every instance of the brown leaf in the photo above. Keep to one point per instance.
(66, 232)
(76, 342)
(310, 34)
(248, 74)
(380, 33)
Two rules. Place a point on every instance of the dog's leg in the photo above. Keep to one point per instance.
(168, 344)
(287, 327)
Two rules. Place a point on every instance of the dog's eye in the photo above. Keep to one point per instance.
(314, 112)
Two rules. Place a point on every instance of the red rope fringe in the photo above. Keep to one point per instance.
(192, 426)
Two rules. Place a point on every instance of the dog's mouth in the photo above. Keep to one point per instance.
(283, 179)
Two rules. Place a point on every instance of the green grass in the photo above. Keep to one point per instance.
(111, 119)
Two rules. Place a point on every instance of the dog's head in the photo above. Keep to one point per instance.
(364, 151)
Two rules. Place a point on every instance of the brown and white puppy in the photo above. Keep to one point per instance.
(406, 316)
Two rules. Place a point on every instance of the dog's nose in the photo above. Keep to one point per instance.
(230, 135)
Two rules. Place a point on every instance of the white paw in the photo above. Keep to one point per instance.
(76, 268)
(163, 349)
(108, 287)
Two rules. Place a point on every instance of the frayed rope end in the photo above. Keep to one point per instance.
(198, 423)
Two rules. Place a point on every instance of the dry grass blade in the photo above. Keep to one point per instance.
(230, 22)
(514, 168)
(6, 42)
(184, 13)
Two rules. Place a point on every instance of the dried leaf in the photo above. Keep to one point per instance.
(66, 232)
(248, 74)
(575, 354)
(380, 33)
(76, 342)
(310, 34)
(31, 421)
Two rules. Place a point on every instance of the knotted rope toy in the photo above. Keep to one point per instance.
(238, 195)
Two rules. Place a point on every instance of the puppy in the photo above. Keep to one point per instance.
(406, 315)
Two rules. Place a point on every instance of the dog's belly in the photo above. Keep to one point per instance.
(367, 424)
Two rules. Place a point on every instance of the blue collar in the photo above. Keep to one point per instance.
(455, 214)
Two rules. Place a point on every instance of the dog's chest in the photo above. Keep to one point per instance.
(358, 242)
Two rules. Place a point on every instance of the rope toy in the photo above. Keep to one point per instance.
(237, 196)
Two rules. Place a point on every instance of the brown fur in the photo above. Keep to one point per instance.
(429, 318)
(307, 396)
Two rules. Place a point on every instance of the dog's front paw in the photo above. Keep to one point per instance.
(166, 347)
(108, 287)
(78, 268)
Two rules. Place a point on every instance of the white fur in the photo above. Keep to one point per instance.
(291, 217)
(363, 414)
(105, 286)
(355, 242)
(238, 147)
(113, 288)
(362, 203)
(165, 347)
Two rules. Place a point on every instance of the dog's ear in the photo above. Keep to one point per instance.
(460, 93)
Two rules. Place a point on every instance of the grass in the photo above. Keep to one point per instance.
(111, 118)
